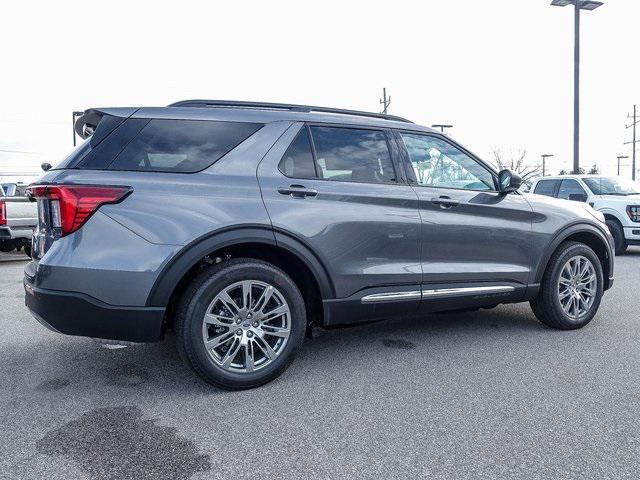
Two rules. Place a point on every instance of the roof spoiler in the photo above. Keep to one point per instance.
(85, 123)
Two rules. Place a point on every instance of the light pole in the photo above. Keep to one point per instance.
(544, 161)
(441, 127)
(620, 157)
(579, 5)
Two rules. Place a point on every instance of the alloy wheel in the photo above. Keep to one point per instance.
(577, 286)
(246, 326)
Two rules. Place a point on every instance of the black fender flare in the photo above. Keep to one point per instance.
(175, 269)
(565, 233)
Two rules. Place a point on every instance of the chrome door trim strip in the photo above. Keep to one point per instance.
(452, 292)
(392, 296)
(435, 293)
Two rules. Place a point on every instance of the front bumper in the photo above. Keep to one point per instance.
(78, 314)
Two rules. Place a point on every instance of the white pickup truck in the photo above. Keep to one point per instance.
(18, 218)
(618, 199)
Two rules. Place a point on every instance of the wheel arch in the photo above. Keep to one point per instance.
(585, 233)
(260, 242)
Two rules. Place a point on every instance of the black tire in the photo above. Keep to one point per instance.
(27, 249)
(546, 306)
(196, 300)
(618, 236)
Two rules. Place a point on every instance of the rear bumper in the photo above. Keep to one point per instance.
(78, 314)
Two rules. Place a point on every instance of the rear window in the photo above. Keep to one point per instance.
(546, 187)
(297, 161)
(352, 155)
(182, 146)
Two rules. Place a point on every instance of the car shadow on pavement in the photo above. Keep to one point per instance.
(79, 363)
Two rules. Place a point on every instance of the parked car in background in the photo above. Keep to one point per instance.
(618, 200)
(18, 218)
(241, 225)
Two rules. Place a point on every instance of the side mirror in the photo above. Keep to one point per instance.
(508, 181)
(578, 197)
(45, 166)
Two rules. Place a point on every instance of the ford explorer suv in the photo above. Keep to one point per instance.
(618, 200)
(243, 225)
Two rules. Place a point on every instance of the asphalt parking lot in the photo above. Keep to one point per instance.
(491, 394)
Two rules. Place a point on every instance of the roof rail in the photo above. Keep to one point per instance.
(283, 106)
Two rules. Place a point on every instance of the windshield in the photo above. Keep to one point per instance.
(612, 186)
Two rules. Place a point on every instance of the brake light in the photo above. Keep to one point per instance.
(3, 213)
(72, 205)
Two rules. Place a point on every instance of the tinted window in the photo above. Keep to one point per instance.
(546, 187)
(570, 187)
(181, 145)
(437, 163)
(352, 155)
(297, 162)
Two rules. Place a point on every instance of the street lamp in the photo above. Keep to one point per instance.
(441, 127)
(544, 161)
(579, 5)
(620, 157)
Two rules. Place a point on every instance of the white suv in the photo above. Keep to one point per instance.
(616, 198)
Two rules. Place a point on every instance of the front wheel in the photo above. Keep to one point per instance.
(571, 288)
(240, 323)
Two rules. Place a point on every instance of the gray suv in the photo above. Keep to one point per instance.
(242, 225)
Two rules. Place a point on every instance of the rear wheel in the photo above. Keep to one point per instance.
(618, 236)
(240, 323)
(571, 288)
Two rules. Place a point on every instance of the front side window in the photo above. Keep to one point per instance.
(352, 155)
(570, 187)
(546, 187)
(437, 163)
(182, 146)
(297, 161)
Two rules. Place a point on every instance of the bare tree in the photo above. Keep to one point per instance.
(594, 170)
(516, 163)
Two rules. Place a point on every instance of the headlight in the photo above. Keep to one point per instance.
(595, 214)
(634, 213)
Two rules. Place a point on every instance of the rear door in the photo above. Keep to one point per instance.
(475, 241)
(336, 189)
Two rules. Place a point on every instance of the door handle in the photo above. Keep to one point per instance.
(445, 202)
(298, 191)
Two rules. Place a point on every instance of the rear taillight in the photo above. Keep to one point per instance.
(3, 213)
(70, 206)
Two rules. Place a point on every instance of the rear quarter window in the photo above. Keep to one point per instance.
(181, 146)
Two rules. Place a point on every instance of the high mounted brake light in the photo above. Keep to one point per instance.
(72, 205)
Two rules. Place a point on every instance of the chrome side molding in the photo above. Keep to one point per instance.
(435, 293)
(453, 292)
(392, 296)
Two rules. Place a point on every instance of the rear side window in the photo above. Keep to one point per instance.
(182, 146)
(297, 162)
(352, 155)
(546, 187)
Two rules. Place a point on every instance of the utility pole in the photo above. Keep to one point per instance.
(578, 5)
(620, 157)
(384, 101)
(634, 122)
(544, 162)
(441, 127)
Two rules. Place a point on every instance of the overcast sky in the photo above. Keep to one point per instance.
(499, 70)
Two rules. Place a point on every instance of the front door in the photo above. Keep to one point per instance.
(336, 188)
(475, 241)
